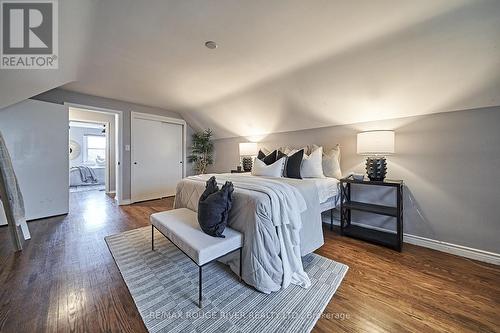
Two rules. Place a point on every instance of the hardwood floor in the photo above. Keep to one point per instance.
(66, 280)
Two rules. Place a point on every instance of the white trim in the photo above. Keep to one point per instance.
(154, 117)
(459, 250)
(108, 159)
(123, 202)
(119, 148)
(150, 116)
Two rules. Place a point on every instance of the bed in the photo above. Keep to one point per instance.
(273, 246)
(75, 178)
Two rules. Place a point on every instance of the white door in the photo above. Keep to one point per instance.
(157, 157)
(36, 134)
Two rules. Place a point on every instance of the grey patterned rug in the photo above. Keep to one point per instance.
(164, 286)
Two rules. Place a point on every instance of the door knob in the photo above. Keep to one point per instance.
(135, 162)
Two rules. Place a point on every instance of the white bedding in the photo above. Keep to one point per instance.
(270, 213)
(327, 187)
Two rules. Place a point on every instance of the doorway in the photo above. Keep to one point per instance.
(94, 137)
(89, 156)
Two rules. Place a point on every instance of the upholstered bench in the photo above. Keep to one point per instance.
(181, 227)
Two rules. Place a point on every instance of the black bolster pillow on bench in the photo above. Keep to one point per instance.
(214, 206)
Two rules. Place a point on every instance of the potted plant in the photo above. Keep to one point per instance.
(202, 150)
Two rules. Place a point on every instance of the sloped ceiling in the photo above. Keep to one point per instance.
(289, 65)
(75, 16)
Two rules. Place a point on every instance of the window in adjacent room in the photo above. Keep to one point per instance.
(95, 148)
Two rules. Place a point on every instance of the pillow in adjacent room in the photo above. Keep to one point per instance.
(260, 168)
(312, 165)
(331, 163)
(268, 159)
(214, 206)
(293, 164)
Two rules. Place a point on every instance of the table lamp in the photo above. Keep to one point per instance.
(376, 145)
(247, 150)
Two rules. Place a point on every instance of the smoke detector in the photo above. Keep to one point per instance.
(211, 44)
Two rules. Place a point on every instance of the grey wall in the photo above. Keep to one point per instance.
(60, 96)
(448, 161)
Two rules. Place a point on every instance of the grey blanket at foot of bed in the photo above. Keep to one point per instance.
(251, 215)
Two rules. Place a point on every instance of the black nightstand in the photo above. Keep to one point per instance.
(238, 171)
(388, 239)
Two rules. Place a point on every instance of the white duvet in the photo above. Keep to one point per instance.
(287, 205)
(327, 187)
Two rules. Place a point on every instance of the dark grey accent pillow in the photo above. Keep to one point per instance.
(293, 163)
(280, 155)
(214, 207)
(269, 159)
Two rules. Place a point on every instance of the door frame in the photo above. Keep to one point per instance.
(164, 119)
(118, 145)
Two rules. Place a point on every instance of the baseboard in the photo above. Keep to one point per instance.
(111, 192)
(459, 250)
(123, 202)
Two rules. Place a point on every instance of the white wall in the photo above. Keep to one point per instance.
(449, 162)
(36, 134)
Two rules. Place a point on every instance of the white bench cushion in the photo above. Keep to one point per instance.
(182, 228)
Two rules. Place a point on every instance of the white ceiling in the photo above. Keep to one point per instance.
(295, 64)
(75, 18)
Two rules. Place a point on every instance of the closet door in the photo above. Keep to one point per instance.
(157, 156)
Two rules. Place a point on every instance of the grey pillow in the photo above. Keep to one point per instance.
(214, 206)
(269, 159)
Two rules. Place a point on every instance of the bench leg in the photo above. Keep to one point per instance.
(199, 288)
(152, 238)
(241, 262)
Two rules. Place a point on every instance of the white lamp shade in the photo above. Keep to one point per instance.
(376, 143)
(248, 149)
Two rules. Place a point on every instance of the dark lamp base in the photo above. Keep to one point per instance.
(246, 163)
(376, 168)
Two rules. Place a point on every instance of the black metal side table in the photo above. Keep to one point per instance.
(385, 238)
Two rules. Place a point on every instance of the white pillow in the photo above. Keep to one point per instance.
(273, 170)
(312, 166)
(331, 163)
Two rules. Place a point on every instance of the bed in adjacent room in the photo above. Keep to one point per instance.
(86, 176)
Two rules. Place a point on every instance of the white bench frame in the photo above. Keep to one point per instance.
(200, 280)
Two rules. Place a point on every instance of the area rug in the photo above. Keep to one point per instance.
(86, 188)
(164, 286)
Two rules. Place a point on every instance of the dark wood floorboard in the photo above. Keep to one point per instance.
(66, 280)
